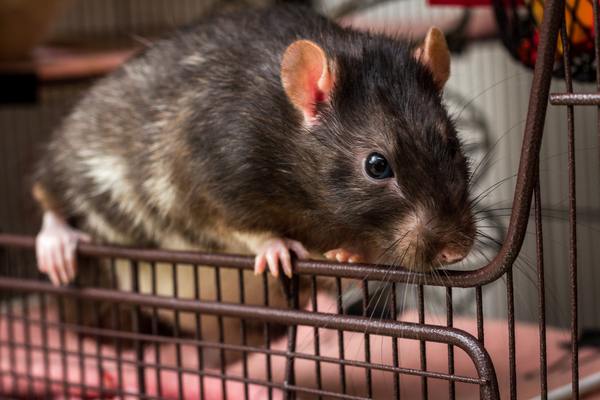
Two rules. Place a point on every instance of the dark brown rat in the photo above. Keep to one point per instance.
(258, 133)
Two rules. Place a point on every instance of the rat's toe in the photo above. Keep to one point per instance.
(56, 248)
(344, 255)
(286, 262)
(276, 251)
(260, 263)
(60, 264)
(273, 259)
(298, 248)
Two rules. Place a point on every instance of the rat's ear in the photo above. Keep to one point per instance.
(434, 54)
(306, 76)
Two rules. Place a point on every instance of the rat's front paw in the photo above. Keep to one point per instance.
(278, 250)
(55, 248)
(344, 255)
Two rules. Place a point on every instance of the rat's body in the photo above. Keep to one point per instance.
(209, 141)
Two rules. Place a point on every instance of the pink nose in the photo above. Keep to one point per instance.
(449, 255)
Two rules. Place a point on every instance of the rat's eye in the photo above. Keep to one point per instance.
(378, 167)
(452, 146)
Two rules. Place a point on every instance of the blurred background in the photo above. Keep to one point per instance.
(51, 51)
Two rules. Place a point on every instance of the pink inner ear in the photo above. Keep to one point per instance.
(314, 93)
(319, 96)
(306, 77)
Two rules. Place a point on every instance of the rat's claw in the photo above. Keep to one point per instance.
(274, 255)
(260, 263)
(277, 251)
(56, 246)
(344, 255)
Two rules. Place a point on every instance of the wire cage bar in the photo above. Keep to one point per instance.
(291, 317)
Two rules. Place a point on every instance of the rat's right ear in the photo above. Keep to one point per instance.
(306, 77)
(434, 54)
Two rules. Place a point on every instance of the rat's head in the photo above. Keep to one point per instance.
(392, 173)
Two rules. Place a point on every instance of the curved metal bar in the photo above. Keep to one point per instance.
(575, 99)
(405, 330)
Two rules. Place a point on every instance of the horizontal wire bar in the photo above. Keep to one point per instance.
(357, 271)
(250, 381)
(575, 99)
(190, 342)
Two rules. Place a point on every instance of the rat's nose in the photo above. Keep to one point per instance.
(450, 255)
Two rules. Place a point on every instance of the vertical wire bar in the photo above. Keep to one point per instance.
(572, 219)
(479, 304)
(139, 350)
(27, 343)
(44, 328)
(367, 340)
(511, 334)
(3, 300)
(340, 310)
(394, 312)
(155, 332)
(596, 13)
(63, 345)
(11, 334)
(4, 372)
(199, 333)
(220, 329)
(97, 337)
(541, 290)
(597, 52)
(243, 332)
(450, 323)
(267, 330)
(79, 312)
(316, 343)
(11, 340)
(423, 349)
(117, 326)
(174, 270)
(292, 300)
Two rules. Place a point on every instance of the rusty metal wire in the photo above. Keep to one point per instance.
(291, 317)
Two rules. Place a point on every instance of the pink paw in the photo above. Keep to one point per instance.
(278, 250)
(55, 248)
(344, 255)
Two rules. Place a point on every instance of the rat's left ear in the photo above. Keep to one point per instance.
(434, 54)
(306, 77)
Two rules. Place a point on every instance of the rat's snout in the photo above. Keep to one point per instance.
(450, 254)
(426, 242)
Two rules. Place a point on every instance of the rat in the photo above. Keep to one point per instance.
(262, 132)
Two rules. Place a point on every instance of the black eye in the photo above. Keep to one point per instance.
(452, 146)
(378, 167)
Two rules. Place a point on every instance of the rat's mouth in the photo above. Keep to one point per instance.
(420, 245)
(425, 243)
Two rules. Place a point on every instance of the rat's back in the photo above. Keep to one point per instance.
(122, 165)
